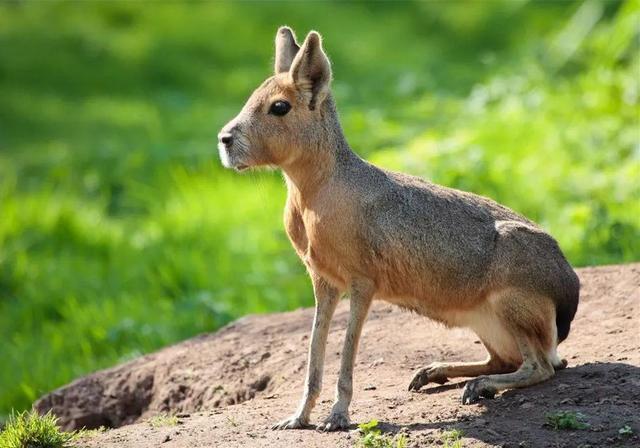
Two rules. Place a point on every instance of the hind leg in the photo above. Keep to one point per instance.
(534, 369)
(441, 372)
(490, 328)
(531, 322)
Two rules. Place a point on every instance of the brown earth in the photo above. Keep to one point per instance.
(227, 388)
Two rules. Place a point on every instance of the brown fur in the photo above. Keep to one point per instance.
(455, 257)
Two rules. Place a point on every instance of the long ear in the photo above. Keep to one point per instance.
(286, 49)
(311, 70)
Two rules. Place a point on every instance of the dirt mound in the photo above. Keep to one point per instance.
(227, 388)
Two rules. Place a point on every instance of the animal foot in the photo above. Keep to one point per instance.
(561, 365)
(336, 421)
(430, 374)
(293, 422)
(475, 389)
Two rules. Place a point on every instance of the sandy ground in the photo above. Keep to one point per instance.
(227, 388)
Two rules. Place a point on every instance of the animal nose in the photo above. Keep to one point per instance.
(226, 138)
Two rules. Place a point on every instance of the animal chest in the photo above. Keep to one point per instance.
(321, 242)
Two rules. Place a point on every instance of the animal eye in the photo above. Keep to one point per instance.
(280, 108)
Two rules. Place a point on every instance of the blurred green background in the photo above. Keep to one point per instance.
(121, 233)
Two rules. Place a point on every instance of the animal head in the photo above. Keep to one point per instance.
(286, 116)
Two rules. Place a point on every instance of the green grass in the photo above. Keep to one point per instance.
(372, 437)
(160, 420)
(30, 430)
(452, 439)
(119, 231)
(625, 431)
(566, 420)
(85, 434)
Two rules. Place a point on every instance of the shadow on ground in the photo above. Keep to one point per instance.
(607, 394)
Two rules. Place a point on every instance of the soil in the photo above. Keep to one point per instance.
(227, 388)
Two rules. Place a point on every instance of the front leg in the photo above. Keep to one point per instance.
(361, 296)
(326, 301)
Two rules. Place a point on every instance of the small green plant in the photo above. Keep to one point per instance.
(160, 420)
(89, 433)
(452, 438)
(29, 429)
(566, 420)
(625, 431)
(232, 421)
(372, 437)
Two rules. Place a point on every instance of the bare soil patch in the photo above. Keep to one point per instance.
(227, 388)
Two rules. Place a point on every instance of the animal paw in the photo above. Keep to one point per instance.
(335, 422)
(293, 422)
(430, 374)
(475, 389)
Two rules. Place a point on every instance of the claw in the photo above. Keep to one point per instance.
(469, 397)
(334, 422)
(476, 389)
(426, 375)
(419, 380)
(293, 422)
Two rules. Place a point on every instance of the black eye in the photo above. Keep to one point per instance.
(280, 108)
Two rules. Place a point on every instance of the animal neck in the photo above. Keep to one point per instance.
(317, 164)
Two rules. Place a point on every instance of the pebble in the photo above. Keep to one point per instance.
(377, 362)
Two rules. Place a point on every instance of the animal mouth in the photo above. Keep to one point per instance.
(241, 167)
